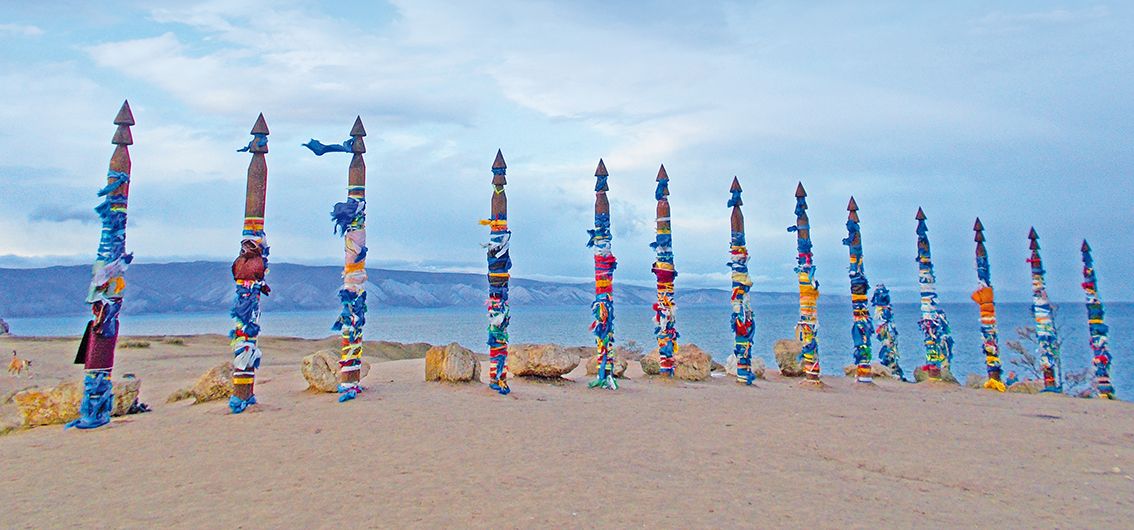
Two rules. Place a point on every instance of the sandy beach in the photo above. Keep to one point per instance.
(652, 454)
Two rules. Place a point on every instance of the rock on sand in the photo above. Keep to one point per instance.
(540, 360)
(321, 370)
(876, 370)
(453, 363)
(946, 376)
(758, 366)
(787, 353)
(212, 385)
(620, 365)
(60, 404)
(691, 363)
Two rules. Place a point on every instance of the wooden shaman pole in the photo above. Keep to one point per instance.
(808, 325)
(499, 263)
(665, 310)
(934, 324)
(743, 326)
(350, 221)
(96, 351)
(1045, 327)
(859, 286)
(248, 271)
(984, 297)
(1097, 326)
(605, 263)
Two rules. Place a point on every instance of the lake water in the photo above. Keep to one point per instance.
(707, 327)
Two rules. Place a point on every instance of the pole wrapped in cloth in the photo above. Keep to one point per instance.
(1042, 312)
(859, 286)
(934, 324)
(985, 298)
(743, 326)
(349, 219)
(248, 271)
(499, 263)
(807, 328)
(665, 309)
(886, 332)
(1097, 326)
(603, 307)
(96, 350)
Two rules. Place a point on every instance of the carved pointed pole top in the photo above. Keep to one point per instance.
(662, 175)
(357, 131)
(978, 227)
(799, 191)
(1034, 239)
(499, 168)
(1085, 248)
(920, 214)
(735, 185)
(123, 120)
(600, 171)
(852, 210)
(261, 125)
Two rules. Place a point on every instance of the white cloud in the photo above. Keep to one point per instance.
(20, 30)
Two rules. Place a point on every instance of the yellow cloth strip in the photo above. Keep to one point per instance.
(243, 380)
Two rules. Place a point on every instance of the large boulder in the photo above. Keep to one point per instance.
(876, 370)
(787, 353)
(947, 376)
(540, 360)
(690, 363)
(321, 370)
(620, 365)
(60, 404)
(214, 384)
(453, 364)
(758, 366)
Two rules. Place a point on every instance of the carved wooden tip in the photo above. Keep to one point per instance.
(735, 185)
(499, 162)
(979, 237)
(799, 191)
(977, 226)
(261, 126)
(358, 130)
(1085, 247)
(1032, 234)
(124, 117)
(600, 171)
(920, 214)
(662, 175)
(852, 206)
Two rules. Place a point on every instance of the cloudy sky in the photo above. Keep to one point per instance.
(1019, 113)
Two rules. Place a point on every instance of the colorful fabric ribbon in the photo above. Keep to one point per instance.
(603, 307)
(934, 324)
(985, 298)
(665, 309)
(1048, 341)
(742, 324)
(499, 263)
(1097, 327)
(859, 286)
(886, 332)
(807, 328)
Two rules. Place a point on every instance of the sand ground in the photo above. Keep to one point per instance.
(652, 454)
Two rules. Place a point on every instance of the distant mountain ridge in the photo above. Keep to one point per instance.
(206, 286)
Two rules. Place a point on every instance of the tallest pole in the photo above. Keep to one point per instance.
(248, 272)
(96, 351)
(665, 310)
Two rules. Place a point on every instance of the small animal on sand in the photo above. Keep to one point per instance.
(18, 366)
